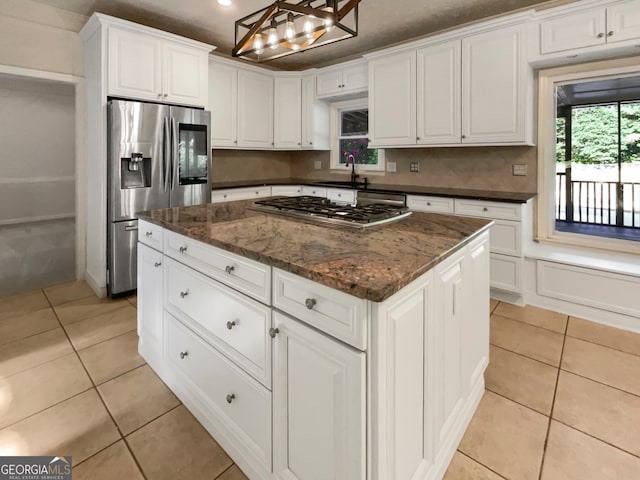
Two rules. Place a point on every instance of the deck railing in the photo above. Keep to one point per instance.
(601, 203)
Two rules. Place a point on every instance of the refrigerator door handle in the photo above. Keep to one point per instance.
(166, 161)
(175, 146)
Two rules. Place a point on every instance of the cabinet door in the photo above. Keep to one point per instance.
(329, 83)
(185, 75)
(223, 104)
(392, 100)
(255, 109)
(315, 117)
(450, 387)
(577, 30)
(493, 87)
(135, 65)
(355, 78)
(287, 127)
(438, 96)
(623, 21)
(318, 406)
(150, 302)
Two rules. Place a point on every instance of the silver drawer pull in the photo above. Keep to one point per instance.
(184, 293)
(183, 355)
(229, 269)
(310, 303)
(600, 35)
(183, 249)
(231, 397)
(157, 264)
(230, 325)
(148, 234)
(273, 332)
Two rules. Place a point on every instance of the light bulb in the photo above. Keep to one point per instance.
(224, 3)
(272, 37)
(258, 43)
(290, 29)
(328, 22)
(308, 26)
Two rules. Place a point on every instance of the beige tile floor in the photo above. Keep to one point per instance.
(562, 399)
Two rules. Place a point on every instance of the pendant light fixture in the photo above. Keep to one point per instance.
(294, 27)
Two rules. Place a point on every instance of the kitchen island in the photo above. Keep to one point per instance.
(317, 352)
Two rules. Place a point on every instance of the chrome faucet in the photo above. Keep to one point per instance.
(352, 159)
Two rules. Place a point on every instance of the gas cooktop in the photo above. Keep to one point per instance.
(318, 209)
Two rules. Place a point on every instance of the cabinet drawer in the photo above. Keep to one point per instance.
(238, 272)
(336, 313)
(341, 195)
(150, 234)
(232, 194)
(231, 396)
(430, 204)
(477, 208)
(235, 324)
(286, 190)
(314, 191)
(506, 237)
(505, 272)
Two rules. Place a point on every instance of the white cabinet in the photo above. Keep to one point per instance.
(423, 203)
(148, 67)
(392, 103)
(315, 117)
(223, 104)
(313, 191)
(342, 195)
(476, 90)
(590, 27)
(495, 88)
(348, 78)
(255, 109)
(438, 98)
(286, 190)
(287, 123)
(243, 193)
(150, 267)
(319, 405)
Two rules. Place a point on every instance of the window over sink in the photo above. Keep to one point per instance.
(350, 136)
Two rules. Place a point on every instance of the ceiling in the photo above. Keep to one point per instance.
(382, 22)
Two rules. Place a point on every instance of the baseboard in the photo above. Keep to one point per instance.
(98, 287)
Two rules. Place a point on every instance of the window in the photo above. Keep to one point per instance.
(589, 156)
(349, 135)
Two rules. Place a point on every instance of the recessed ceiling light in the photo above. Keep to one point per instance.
(224, 3)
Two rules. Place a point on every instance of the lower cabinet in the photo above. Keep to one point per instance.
(150, 276)
(319, 400)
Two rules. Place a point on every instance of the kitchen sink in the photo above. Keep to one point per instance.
(342, 183)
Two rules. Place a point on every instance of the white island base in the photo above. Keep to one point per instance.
(298, 381)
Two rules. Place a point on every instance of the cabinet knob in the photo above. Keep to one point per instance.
(225, 195)
(600, 35)
(183, 355)
(273, 332)
(231, 397)
(229, 269)
(235, 141)
(257, 193)
(232, 324)
(485, 209)
(148, 234)
(310, 303)
(184, 293)
(417, 138)
(428, 204)
(299, 144)
(159, 95)
(464, 136)
(610, 34)
(166, 95)
(157, 264)
(183, 249)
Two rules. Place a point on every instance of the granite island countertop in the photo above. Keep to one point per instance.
(370, 263)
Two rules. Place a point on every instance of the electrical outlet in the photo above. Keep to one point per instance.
(317, 164)
(520, 170)
(391, 166)
(414, 167)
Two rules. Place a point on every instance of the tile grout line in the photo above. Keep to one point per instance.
(480, 463)
(553, 404)
(527, 356)
(530, 324)
(600, 383)
(602, 345)
(516, 402)
(180, 404)
(218, 477)
(101, 341)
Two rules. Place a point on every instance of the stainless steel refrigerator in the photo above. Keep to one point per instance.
(159, 156)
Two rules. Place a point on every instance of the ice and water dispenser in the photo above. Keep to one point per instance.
(135, 171)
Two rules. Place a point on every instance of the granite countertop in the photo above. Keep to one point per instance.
(371, 263)
(514, 197)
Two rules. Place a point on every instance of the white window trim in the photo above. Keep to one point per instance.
(545, 231)
(335, 165)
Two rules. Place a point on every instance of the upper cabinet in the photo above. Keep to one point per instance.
(591, 30)
(475, 90)
(345, 79)
(255, 109)
(288, 112)
(223, 104)
(145, 66)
